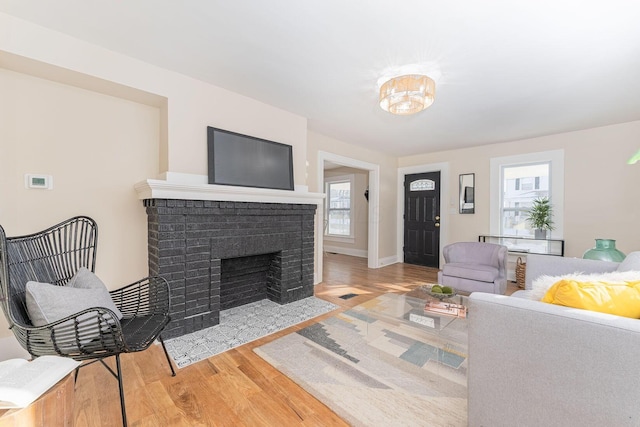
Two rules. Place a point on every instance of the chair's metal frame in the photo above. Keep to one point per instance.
(53, 256)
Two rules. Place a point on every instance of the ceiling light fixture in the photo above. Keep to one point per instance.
(408, 94)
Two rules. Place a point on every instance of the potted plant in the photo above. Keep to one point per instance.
(539, 216)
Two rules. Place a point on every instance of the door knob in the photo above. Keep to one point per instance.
(437, 217)
(437, 224)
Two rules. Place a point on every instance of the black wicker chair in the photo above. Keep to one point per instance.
(53, 256)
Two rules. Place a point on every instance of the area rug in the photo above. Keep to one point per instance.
(378, 372)
(240, 325)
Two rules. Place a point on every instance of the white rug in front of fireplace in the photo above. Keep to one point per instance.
(240, 325)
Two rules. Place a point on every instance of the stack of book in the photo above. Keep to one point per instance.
(22, 382)
(447, 308)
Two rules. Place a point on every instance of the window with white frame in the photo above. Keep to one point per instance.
(516, 181)
(521, 185)
(339, 204)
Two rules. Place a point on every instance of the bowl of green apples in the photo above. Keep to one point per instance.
(441, 292)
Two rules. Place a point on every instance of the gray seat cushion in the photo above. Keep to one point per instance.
(480, 272)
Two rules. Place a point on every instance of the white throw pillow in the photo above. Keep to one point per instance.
(541, 284)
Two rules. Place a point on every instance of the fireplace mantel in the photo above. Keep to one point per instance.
(191, 188)
(180, 186)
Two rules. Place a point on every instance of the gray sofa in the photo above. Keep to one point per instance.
(538, 364)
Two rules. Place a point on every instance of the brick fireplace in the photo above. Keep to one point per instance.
(221, 254)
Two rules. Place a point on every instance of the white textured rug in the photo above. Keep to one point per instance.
(240, 325)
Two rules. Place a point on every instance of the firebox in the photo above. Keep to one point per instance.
(247, 279)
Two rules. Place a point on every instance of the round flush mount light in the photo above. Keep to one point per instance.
(407, 94)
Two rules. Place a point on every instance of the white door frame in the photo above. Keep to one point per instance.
(443, 168)
(374, 202)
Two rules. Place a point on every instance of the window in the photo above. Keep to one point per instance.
(339, 202)
(518, 180)
(422, 185)
(521, 185)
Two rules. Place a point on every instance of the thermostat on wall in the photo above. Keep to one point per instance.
(44, 182)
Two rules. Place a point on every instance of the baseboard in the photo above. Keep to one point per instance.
(10, 349)
(388, 260)
(360, 253)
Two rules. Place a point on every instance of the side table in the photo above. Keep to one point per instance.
(52, 409)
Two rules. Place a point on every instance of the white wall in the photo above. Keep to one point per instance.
(601, 190)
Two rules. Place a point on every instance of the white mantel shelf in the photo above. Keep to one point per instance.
(179, 186)
(161, 189)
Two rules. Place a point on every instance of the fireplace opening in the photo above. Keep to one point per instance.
(247, 279)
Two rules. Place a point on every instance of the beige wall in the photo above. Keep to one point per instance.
(192, 105)
(601, 190)
(360, 214)
(96, 147)
(388, 171)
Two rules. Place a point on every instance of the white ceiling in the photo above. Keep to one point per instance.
(505, 70)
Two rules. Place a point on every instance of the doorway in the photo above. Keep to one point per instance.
(372, 201)
(346, 210)
(421, 219)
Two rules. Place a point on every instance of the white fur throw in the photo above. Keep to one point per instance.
(541, 285)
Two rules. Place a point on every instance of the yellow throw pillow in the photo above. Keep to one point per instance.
(621, 299)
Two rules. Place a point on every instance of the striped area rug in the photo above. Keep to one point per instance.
(375, 372)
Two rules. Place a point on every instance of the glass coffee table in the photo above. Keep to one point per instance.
(420, 309)
(436, 329)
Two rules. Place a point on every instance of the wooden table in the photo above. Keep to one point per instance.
(52, 409)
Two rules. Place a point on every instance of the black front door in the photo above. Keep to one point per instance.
(422, 219)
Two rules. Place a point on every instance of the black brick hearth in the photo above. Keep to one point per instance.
(217, 255)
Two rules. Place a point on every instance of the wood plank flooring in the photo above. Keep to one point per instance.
(236, 388)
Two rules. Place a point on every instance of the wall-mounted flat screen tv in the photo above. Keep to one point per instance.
(246, 161)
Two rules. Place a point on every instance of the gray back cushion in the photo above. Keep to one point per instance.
(47, 303)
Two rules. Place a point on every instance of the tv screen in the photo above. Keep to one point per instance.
(236, 159)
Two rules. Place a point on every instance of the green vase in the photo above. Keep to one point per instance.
(605, 250)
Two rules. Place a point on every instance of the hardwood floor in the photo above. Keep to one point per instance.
(236, 388)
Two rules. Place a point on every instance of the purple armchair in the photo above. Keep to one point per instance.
(475, 267)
